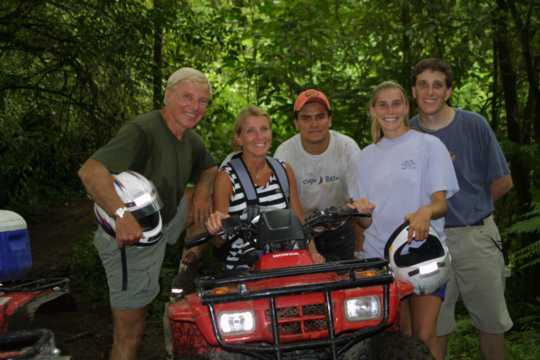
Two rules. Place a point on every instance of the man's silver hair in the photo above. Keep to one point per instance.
(188, 74)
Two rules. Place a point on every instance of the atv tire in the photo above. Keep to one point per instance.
(225, 355)
(290, 355)
(358, 351)
(396, 346)
(29, 345)
(384, 346)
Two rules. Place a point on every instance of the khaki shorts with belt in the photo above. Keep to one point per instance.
(477, 276)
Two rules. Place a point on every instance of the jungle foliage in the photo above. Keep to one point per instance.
(74, 71)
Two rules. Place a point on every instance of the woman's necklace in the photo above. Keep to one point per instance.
(259, 173)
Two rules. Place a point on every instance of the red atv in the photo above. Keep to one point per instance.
(20, 299)
(288, 307)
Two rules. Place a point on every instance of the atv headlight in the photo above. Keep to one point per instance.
(236, 323)
(362, 308)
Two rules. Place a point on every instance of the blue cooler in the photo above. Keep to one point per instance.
(15, 253)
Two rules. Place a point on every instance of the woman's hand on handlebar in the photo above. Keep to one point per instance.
(363, 206)
(214, 224)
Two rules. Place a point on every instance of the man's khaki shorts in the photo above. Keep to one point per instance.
(477, 276)
(143, 263)
(143, 267)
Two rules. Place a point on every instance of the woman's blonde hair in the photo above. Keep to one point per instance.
(376, 131)
(247, 112)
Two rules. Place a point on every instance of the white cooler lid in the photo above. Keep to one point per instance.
(10, 220)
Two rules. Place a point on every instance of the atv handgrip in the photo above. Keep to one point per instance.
(334, 214)
(230, 226)
(197, 240)
(348, 211)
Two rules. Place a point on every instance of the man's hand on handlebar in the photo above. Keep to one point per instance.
(190, 257)
(192, 253)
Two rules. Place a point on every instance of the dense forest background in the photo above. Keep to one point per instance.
(73, 71)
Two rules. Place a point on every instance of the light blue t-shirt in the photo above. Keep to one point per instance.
(399, 176)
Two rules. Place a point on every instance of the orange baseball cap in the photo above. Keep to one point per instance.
(311, 95)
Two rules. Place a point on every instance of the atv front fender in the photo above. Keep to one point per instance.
(20, 301)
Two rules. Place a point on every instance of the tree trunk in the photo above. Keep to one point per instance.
(532, 109)
(406, 44)
(508, 76)
(495, 121)
(518, 164)
(158, 45)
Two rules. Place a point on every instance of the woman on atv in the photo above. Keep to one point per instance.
(252, 168)
(404, 175)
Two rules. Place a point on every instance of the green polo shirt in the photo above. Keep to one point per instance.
(147, 146)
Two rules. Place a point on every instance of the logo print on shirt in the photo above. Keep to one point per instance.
(408, 164)
(320, 180)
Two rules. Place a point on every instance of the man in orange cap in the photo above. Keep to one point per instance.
(323, 162)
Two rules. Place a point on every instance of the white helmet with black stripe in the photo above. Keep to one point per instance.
(425, 266)
(141, 199)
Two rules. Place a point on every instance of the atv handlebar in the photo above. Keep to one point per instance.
(332, 215)
(231, 225)
(319, 221)
(331, 218)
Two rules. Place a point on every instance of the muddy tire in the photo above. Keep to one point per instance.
(224, 355)
(385, 346)
(396, 346)
(358, 351)
(309, 354)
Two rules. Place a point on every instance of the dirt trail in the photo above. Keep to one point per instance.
(83, 330)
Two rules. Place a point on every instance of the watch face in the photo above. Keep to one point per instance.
(120, 212)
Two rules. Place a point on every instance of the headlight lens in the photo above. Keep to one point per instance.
(362, 308)
(236, 323)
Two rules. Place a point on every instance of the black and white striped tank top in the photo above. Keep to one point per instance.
(238, 253)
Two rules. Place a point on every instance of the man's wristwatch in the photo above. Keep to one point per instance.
(120, 212)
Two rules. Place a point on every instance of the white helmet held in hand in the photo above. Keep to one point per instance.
(141, 199)
(425, 266)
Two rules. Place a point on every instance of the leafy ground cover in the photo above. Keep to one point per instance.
(521, 344)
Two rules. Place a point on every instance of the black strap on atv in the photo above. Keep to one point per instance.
(239, 168)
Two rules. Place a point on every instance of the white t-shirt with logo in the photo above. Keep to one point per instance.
(326, 179)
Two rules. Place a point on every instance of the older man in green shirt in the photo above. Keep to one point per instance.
(161, 146)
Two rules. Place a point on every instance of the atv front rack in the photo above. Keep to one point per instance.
(34, 285)
(337, 344)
